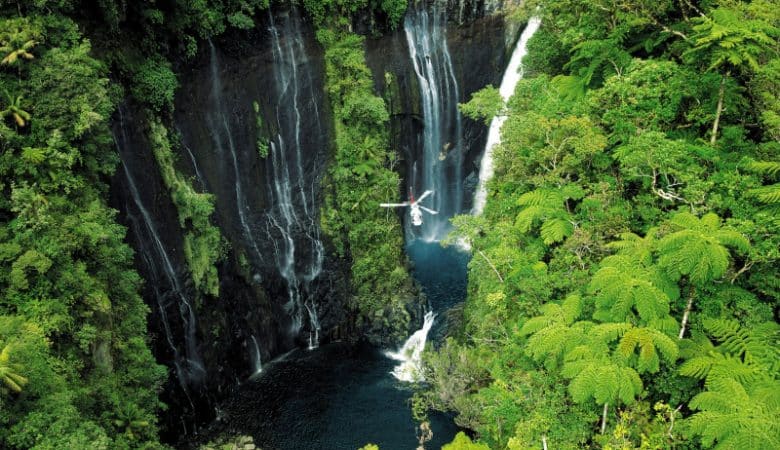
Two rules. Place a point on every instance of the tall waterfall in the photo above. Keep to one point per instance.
(513, 74)
(223, 140)
(440, 168)
(292, 219)
(189, 366)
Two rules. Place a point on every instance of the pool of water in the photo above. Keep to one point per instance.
(342, 396)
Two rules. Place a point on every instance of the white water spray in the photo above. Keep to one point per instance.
(410, 354)
(292, 221)
(194, 370)
(441, 163)
(257, 361)
(513, 74)
(223, 137)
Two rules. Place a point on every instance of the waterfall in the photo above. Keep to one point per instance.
(222, 137)
(440, 167)
(189, 367)
(410, 354)
(513, 74)
(194, 162)
(292, 220)
(257, 361)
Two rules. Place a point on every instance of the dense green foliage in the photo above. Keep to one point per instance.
(75, 365)
(325, 11)
(627, 288)
(204, 246)
(361, 176)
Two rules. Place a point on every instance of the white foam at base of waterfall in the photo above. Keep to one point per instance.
(410, 354)
(512, 76)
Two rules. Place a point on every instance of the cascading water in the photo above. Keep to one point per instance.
(257, 360)
(513, 74)
(189, 367)
(223, 139)
(292, 221)
(410, 354)
(194, 162)
(440, 164)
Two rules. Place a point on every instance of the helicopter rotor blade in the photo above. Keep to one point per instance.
(428, 210)
(425, 194)
(394, 205)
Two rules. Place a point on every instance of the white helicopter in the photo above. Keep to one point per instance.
(415, 209)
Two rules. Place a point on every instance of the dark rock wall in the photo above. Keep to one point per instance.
(480, 50)
(252, 293)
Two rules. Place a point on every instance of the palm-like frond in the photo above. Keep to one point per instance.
(635, 246)
(547, 206)
(771, 168)
(9, 372)
(625, 289)
(732, 417)
(767, 194)
(652, 346)
(698, 250)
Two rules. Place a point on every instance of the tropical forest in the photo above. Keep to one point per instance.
(389, 224)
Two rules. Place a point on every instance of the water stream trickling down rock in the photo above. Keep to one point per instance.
(243, 357)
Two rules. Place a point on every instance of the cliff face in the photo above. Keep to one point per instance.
(254, 130)
(477, 52)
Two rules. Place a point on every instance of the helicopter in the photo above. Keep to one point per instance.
(415, 209)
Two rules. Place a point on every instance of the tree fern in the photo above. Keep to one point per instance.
(548, 207)
(756, 346)
(635, 246)
(770, 194)
(626, 289)
(652, 345)
(732, 417)
(741, 403)
(605, 382)
(699, 248)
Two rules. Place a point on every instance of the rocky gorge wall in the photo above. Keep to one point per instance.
(253, 128)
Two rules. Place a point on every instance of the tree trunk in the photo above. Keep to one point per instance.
(686, 314)
(544, 442)
(500, 278)
(719, 109)
(604, 418)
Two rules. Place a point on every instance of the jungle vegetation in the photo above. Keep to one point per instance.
(632, 226)
(76, 369)
(629, 297)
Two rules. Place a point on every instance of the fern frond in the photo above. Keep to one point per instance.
(765, 167)
(555, 230)
(540, 197)
(734, 239)
(571, 308)
(526, 218)
(698, 367)
(650, 343)
(767, 194)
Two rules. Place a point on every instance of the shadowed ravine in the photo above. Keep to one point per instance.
(342, 396)
(253, 128)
